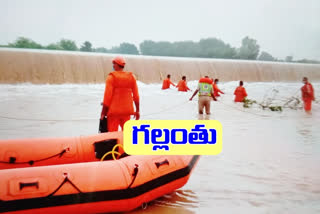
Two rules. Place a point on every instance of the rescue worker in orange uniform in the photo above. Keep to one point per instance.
(307, 93)
(216, 90)
(182, 85)
(205, 94)
(120, 93)
(240, 93)
(167, 82)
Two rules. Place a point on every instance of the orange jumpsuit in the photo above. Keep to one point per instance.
(182, 86)
(120, 92)
(216, 90)
(307, 96)
(166, 84)
(240, 93)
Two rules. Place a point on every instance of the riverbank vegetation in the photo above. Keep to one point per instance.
(204, 48)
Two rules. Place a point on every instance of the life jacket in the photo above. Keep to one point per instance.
(205, 80)
(205, 86)
(122, 98)
(205, 89)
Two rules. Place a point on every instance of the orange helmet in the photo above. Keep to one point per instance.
(119, 60)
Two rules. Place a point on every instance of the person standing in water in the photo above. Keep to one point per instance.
(182, 85)
(216, 89)
(205, 90)
(240, 93)
(120, 93)
(167, 82)
(307, 94)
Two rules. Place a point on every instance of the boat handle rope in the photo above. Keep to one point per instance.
(108, 153)
(12, 160)
(134, 174)
(32, 184)
(113, 152)
(66, 180)
(158, 164)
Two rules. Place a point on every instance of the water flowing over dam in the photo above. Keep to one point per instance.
(58, 67)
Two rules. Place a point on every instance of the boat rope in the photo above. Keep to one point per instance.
(109, 153)
(134, 174)
(12, 160)
(87, 119)
(136, 166)
(166, 109)
(45, 120)
(241, 110)
(112, 152)
(143, 115)
(66, 180)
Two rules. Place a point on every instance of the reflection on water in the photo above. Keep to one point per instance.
(306, 129)
(180, 201)
(205, 117)
(179, 198)
(269, 163)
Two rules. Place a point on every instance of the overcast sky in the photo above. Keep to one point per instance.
(282, 27)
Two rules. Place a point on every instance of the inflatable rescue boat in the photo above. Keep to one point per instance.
(88, 174)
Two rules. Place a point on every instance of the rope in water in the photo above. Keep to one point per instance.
(241, 110)
(144, 115)
(45, 120)
(87, 119)
(166, 109)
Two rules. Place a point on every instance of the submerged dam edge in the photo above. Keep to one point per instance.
(59, 67)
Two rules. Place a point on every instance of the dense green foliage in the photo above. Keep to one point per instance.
(125, 48)
(54, 46)
(87, 47)
(249, 49)
(68, 45)
(205, 48)
(265, 56)
(23, 42)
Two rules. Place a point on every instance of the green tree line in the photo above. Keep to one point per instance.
(205, 48)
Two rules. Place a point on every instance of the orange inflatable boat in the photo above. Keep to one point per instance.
(66, 175)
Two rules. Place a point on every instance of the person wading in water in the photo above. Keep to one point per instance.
(205, 95)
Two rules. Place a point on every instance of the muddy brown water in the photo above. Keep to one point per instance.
(269, 163)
